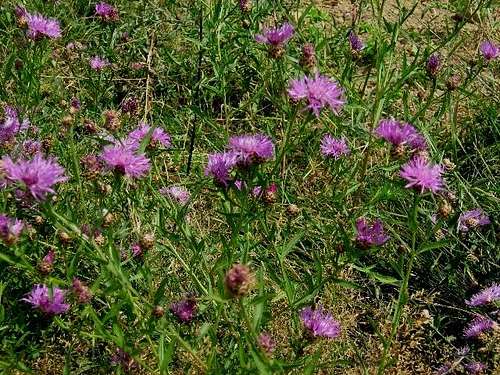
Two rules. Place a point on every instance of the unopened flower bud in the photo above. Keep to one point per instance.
(239, 280)
(308, 59)
(46, 265)
(445, 209)
(111, 120)
(246, 5)
(158, 311)
(148, 241)
(292, 210)
(453, 82)
(108, 219)
(82, 292)
(64, 237)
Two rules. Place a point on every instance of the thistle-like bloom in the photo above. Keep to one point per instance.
(485, 296)
(239, 280)
(11, 125)
(107, 12)
(81, 291)
(48, 300)
(184, 309)
(31, 147)
(334, 147)
(276, 36)
(400, 134)
(10, 229)
(47, 264)
(136, 250)
(158, 136)
(356, 43)
(433, 64)
(220, 165)
(320, 323)
(266, 343)
(320, 91)
(37, 175)
(97, 63)
(475, 368)
(125, 161)
(39, 26)
(479, 325)
(422, 176)
(489, 50)
(370, 234)
(251, 149)
(178, 194)
(308, 58)
(472, 219)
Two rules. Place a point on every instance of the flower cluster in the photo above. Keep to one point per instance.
(178, 194)
(184, 309)
(40, 26)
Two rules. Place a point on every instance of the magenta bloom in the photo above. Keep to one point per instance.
(184, 309)
(477, 326)
(320, 91)
(433, 64)
(48, 300)
(475, 368)
(320, 323)
(488, 295)
(98, 63)
(10, 229)
(276, 36)
(107, 12)
(489, 50)
(398, 133)
(39, 26)
(178, 194)
(125, 161)
(356, 43)
(220, 165)
(251, 149)
(266, 342)
(422, 176)
(334, 147)
(136, 250)
(37, 175)
(11, 125)
(158, 136)
(472, 219)
(370, 234)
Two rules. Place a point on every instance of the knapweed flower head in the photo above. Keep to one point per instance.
(245, 5)
(320, 91)
(472, 219)
(422, 176)
(11, 125)
(107, 12)
(239, 280)
(478, 326)
(370, 234)
(433, 64)
(124, 360)
(48, 300)
(490, 50)
(97, 63)
(251, 149)
(220, 165)
(38, 175)
(125, 161)
(10, 229)
(308, 58)
(334, 147)
(266, 343)
(277, 35)
(82, 292)
(158, 136)
(320, 323)
(178, 194)
(39, 26)
(136, 250)
(485, 296)
(47, 263)
(184, 309)
(356, 43)
(31, 147)
(400, 134)
(475, 368)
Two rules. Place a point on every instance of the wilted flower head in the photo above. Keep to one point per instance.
(106, 11)
(308, 58)
(220, 165)
(485, 296)
(489, 50)
(123, 359)
(475, 368)
(400, 134)
(11, 125)
(472, 219)
(320, 91)
(97, 63)
(177, 193)
(277, 35)
(370, 234)
(48, 300)
(334, 147)
(39, 26)
(10, 229)
(245, 5)
(31, 147)
(239, 280)
(433, 64)
(356, 43)
(125, 161)
(251, 149)
(47, 263)
(184, 309)
(422, 176)
(130, 106)
(479, 325)
(320, 323)
(158, 136)
(37, 175)
(266, 342)
(82, 291)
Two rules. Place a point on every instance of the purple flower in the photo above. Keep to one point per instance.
(370, 234)
(488, 295)
(251, 149)
(433, 64)
(266, 342)
(107, 12)
(334, 147)
(320, 91)
(48, 300)
(31, 147)
(443, 369)
(489, 50)
(130, 106)
(276, 36)
(320, 323)
(98, 64)
(37, 175)
(398, 133)
(356, 43)
(220, 165)
(475, 368)
(10, 229)
(39, 26)
(184, 309)
(422, 176)
(11, 125)
(125, 161)
(136, 249)
(177, 193)
(472, 219)
(158, 136)
(479, 325)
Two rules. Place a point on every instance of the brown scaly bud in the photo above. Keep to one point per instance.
(91, 166)
(47, 264)
(239, 280)
(67, 121)
(398, 151)
(147, 241)
(111, 120)
(105, 189)
(89, 126)
(308, 59)
(108, 219)
(445, 209)
(82, 292)
(453, 82)
(271, 194)
(39, 220)
(292, 210)
(64, 237)
(99, 239)
(448, 164)
(47, 144)
(246, 5)
(158, 311)
(276, 51)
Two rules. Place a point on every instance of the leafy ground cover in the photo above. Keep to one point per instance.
(227, 186)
